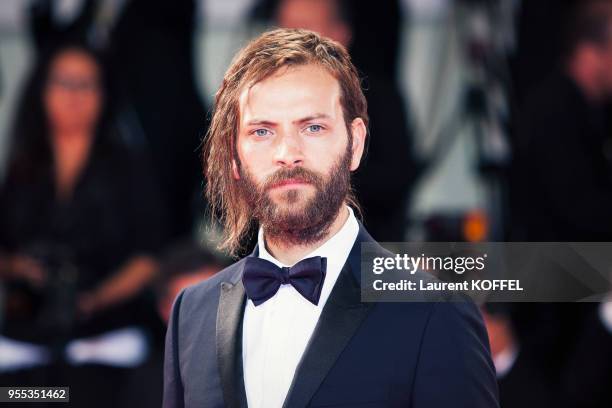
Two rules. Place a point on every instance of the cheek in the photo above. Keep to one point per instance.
(92, 106)
(56, 106)
(87, 102)
(253, 157)
(245, 149)
(323, 154)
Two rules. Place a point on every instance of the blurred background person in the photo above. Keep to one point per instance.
(80, 225)
(181, 266)
(564, 120)
(150, 47)
(562, 189)
(521, 382)
(539, 39)
(384, 182)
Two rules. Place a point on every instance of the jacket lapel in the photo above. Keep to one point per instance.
(341, 317)
(229, 340)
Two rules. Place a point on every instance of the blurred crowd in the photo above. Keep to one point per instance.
(101, 203)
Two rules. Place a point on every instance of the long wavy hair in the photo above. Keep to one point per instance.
(260, 59)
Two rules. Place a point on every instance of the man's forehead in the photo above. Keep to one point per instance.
(291, 91)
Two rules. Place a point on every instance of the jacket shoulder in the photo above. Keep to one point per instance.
(208, 289)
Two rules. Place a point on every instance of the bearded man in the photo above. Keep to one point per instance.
(285, 326)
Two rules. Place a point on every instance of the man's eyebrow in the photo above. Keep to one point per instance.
(313, 117)
(264, 122)
(258, 122)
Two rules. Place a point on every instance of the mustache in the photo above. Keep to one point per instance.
(296, 173)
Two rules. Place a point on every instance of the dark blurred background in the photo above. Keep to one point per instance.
(490, 121)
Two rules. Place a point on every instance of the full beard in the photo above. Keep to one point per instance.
(293, 222)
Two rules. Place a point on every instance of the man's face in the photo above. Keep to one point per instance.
(294, 151)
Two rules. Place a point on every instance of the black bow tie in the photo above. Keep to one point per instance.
(262, 278)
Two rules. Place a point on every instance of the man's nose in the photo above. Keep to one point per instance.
(288, 151)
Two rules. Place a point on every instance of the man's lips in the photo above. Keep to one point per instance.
(289, 183)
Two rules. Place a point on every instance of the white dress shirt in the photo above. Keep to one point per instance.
(276, 332)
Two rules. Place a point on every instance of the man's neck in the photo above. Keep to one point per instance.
(290, 254)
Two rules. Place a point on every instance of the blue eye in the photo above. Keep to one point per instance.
(261, 132)
(315, 128)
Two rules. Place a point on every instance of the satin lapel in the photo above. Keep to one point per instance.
(340, 318)
(229, 342)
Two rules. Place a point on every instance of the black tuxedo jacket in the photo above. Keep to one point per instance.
(427, 354)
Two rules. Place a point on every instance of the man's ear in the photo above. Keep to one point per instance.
(359, 132)
(235, 171)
